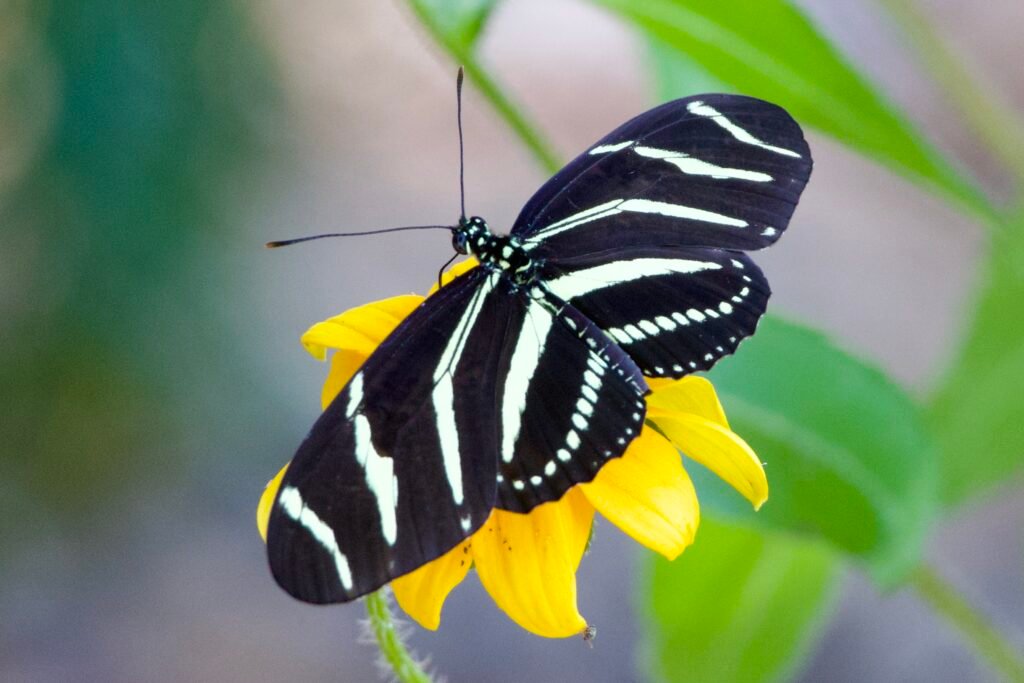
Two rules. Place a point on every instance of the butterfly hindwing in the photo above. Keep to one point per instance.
(571, 400)
(711, 170)
(673, 310)
(401, 466)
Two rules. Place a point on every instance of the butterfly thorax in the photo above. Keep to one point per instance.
(496, 252)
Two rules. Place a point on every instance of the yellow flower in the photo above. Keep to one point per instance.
(528, 562)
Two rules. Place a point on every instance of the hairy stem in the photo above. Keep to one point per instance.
(986, 640)
(397, 656)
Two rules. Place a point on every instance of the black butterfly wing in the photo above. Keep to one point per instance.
(570, 400)
(673, 310)
(644, 232)
(402, 464)
(710, 170)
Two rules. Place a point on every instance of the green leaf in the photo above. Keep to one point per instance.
(460, 22)
(978, 414)
(769, 49)
(676, 73)
(738, 606)
(846, 452)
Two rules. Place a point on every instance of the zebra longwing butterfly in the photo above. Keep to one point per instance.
(523, 376)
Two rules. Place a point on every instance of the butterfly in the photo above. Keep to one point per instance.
(523, 376)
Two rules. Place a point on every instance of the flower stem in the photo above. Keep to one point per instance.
(481, 79)
(397, 656)
(988, 643)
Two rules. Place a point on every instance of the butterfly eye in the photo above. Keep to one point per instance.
(459, 241)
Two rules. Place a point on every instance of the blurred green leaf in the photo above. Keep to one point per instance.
(675, 72)
(847, 455)
(769, 49)
(978, 414)
(738, 606)
(159, 110)
(459, 21)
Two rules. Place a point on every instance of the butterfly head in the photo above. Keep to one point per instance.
(498, 252)
(470, 232)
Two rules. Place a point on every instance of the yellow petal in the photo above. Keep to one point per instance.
(422, 593)
(361, 329)
(648, 494)
(688, 395)
(343, 365)
(455, 271)
(717, 448)
(266, 501)
(528, 563)
(659, 383)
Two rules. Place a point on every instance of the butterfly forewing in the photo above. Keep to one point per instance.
(712, 170)
(401, 465)
(571, 401)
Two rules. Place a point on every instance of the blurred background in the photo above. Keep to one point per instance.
(151, 375)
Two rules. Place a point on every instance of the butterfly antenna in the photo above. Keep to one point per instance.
(284, 243)
(462, 157)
